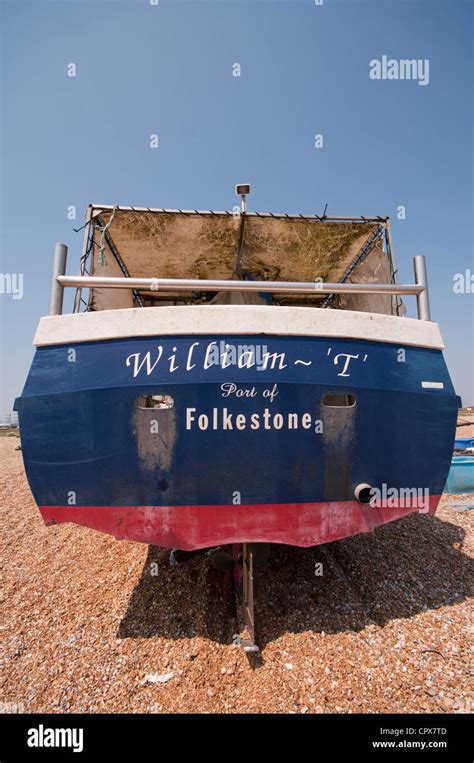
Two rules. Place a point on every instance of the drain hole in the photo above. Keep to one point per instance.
(162, 402)
(336, 400)
(163, 484)
(363, 494)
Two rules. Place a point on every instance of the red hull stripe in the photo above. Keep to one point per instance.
(193, 527)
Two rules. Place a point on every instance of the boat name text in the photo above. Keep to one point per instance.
(225, 356)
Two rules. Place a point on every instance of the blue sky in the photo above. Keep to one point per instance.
(168, 70)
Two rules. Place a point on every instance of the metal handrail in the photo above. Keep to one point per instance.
(198, 284)
(61, 281)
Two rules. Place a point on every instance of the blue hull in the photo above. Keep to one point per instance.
(249, 436)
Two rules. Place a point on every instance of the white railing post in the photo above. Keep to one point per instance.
(421, 278)
(57, 288)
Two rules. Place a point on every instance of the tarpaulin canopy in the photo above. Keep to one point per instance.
(146, 243)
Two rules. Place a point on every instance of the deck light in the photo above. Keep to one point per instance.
(243, 189)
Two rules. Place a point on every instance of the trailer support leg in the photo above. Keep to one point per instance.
(248, 643)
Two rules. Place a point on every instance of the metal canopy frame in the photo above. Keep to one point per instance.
(167, 285)
(60, 281)
(93, 218)
(97, 208)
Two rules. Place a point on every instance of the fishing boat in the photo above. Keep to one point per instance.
(228, 379)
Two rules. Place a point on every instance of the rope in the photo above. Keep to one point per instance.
(103, 261)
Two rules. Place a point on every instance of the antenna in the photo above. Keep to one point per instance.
(243, 189)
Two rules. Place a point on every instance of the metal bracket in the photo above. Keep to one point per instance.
(248, 644)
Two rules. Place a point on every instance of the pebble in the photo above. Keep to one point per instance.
(87, 629)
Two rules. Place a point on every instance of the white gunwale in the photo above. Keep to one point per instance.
(227, 320)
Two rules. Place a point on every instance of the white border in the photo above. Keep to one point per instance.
(235, 319)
